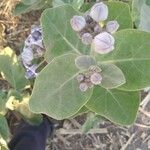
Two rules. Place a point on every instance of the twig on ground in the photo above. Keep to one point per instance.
(145, 101)
(79, 131)
(144, 112)
(128, 142)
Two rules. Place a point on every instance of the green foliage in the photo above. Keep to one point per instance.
(141, 13)
(92, 120)
(118, 106)
(84, 62)
(4, 131)
(117, 11)
(124, 68)
(58, 35)
(28, 5)
(132, 56)
(58, 94)
(12, 70)
(3, 99)
(112, 76)
(61, 39)
(75, 3)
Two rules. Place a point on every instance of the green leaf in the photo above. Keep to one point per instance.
(132, 56)
(24, 8)
(59, 37)
(118, 106)
(117, 11)
(4, 130)
(3, 99)
(140, 14)
(75, 3)
(91, 121)
(121, 12)
(84, 61)
(12, 70)
(112, 76)
(29, 2)
(83, 110)
(136, 10)
(144, 18)
(56, 91)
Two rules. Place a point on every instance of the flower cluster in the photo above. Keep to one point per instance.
(90, 78)
(33, 49)
(93, 30)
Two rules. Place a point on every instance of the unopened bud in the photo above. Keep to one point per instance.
(103, 43)
(83, 87)
(99, 12)
(27, 55)
(112, 26)
(36, 35)
(78, 23)
(80, 77)
(96, 78)
(87, 38)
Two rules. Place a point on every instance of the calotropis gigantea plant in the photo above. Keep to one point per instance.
(91, 65)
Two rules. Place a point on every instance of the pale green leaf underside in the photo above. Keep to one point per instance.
(118, 106)
(132, 56)
(112, 76)
(59, 37)
(56, 91)
(84, 62)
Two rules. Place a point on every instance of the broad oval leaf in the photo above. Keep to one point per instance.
(118, 106)
(59, 37)
(132, 56)
(112, 76)
(56, 91)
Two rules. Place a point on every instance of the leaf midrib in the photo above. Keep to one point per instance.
(65, 39)
(124, 60)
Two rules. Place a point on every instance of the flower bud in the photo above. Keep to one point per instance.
(103, 43)
(96, 78)
(78, 23)
(27, 55)
(36, 35)
(83, 87)
(112, 26)
(87, 38)
(80, 77)
(99, 12)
